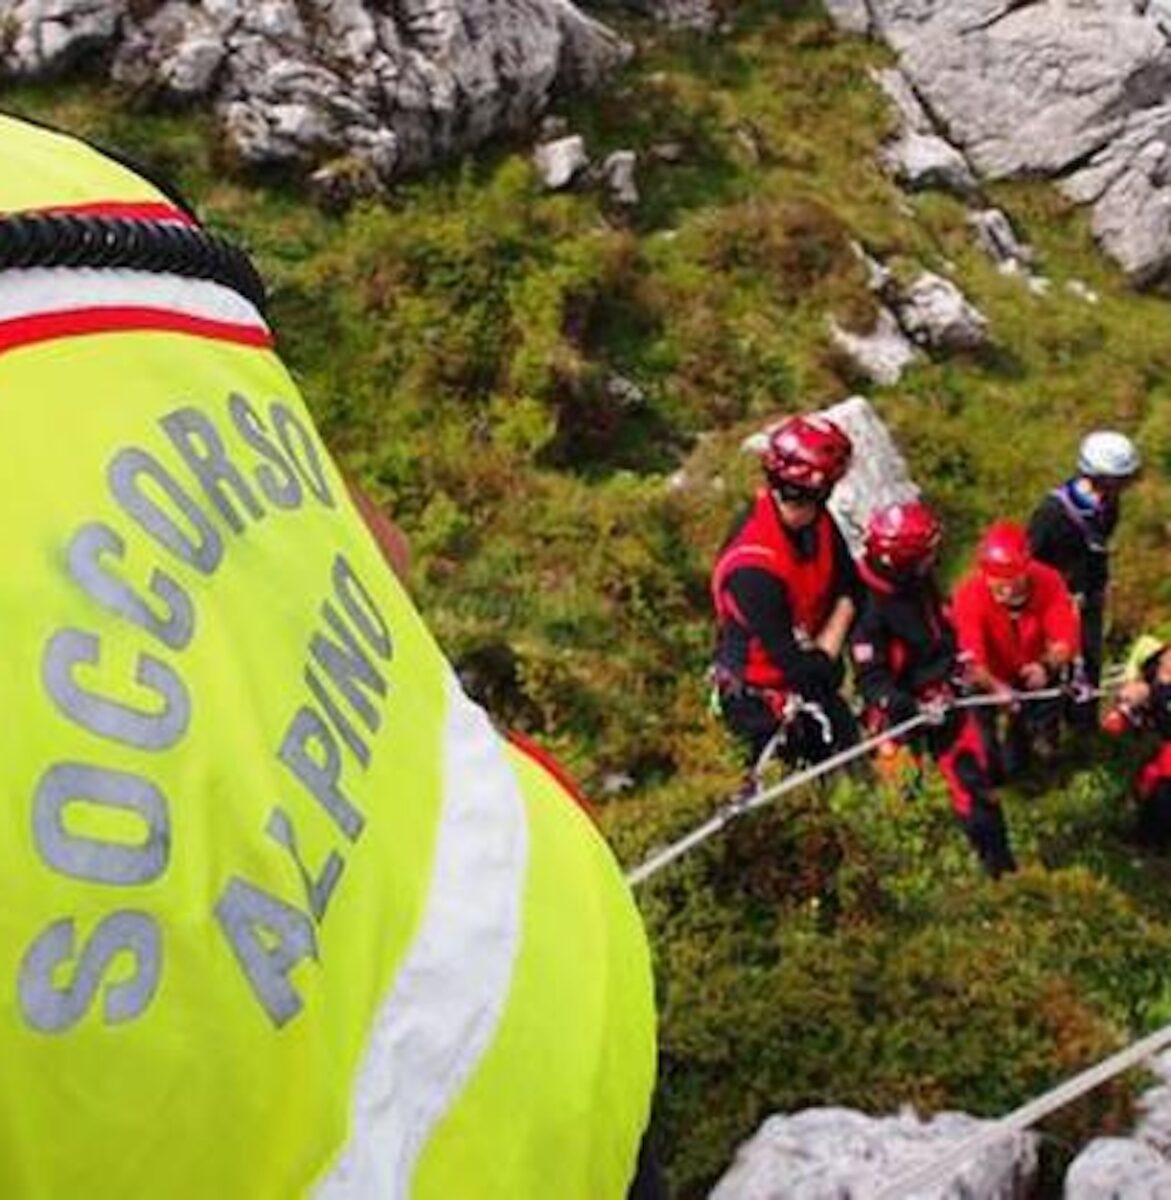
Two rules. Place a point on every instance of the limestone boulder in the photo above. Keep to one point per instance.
(559, 163)
(1076, 90)
(936, 315)
(1133, 1168)
(46, 37)
(850, 15)
(839, 1154)
(878, 473)
(1118, 1169)
(921, 160)
(882, 355)
(381, 89)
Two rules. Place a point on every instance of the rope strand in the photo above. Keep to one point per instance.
(926, 1175)
(730, 812)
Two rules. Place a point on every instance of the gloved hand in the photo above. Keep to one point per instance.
(1081, 690)
(900, 706)
(936, 699)
(821, 675)
(936, 707)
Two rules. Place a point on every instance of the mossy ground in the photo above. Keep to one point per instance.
(455, 344)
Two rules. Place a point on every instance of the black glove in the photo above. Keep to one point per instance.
(900, 706)
(820, 676)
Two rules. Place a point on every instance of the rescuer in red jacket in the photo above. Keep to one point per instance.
(1144, 704)
(904, 651)
(785, 592)
(1019, 628)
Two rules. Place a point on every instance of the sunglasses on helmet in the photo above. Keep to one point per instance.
(795, 493)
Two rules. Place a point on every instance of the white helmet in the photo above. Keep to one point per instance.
(1105, 454)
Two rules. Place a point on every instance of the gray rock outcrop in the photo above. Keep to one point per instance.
(838, 1154)
(936, 315)
(1118, 1169)
(918, 157)
(851, 15)
(700, 15)
(998, 239)
(878, 472)
(390, 88)
(882, 354)
(929, 314)
(911, 113)
(1134, 1168)
(921, 160)
(1076, 90)
(43, 36)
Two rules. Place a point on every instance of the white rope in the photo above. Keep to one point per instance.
(926, 1175)
(733, 810)
(729, 812)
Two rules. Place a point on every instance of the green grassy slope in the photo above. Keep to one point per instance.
(455, 345)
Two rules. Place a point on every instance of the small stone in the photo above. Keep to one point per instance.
(852, 16)
(618, 174)
(625, 392)
(1075, 287)
(935, 314)
(997, 238)
(667, 152)
(614, 783)
(559, 162)
(921, 161)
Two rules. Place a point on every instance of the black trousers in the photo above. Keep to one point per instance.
(648, 1183)
(1084, 716)
(1011, 753)
(1153, 828)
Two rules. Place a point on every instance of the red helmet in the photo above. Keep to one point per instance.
(1004, 551)
(807, 452)
(903, 538)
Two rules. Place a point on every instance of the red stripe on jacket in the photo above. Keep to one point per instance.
(44, 327)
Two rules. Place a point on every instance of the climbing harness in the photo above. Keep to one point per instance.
(931, 715)
(31, 240)
(795, 707)
(737, 807)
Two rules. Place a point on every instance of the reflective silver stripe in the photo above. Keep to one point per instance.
(447, 1000)
(43, 290)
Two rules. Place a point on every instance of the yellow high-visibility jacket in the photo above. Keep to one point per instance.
(281, 913)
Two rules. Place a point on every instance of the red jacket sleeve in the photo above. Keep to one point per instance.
(1059, 615)
(967, 614)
